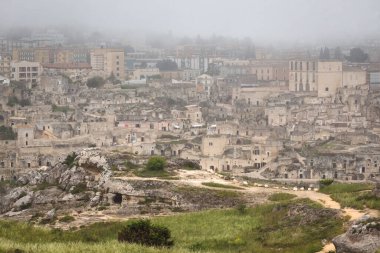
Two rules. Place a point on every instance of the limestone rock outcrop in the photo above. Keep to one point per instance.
(362, 237)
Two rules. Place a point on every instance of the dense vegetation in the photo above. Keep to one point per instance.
(156, 163)
(357, 196)
(263, 229)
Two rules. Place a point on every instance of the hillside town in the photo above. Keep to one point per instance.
(179, 126)
(236, 109)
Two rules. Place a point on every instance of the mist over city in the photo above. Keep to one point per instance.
(190, 126)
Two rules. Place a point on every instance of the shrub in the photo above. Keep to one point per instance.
(70, 159)
(156, 163)
(81, 187)
(95, 82)
(326, 182)
(67, 219)
(241, 208)
(143, 232)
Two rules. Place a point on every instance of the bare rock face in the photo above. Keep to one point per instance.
(362, 237)
(62, 184)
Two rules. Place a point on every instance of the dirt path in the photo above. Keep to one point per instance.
(197, 177)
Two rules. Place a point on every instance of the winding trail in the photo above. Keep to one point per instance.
(197, 178)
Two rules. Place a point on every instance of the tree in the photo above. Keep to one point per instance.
(357, 55)
(338, 53)
(167, 65)
(95, 82)
(7, 133)
(213, 70)
(156, 163)
(324, 54)
(145, 233)
(112, 78)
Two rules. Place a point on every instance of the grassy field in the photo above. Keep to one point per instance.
(263, 229)
(282, 196)
(225, 186)
(357, 196)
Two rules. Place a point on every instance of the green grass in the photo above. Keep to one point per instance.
(357, 200)
(63, 109)
(154, 173)
(341, 187)
(66, 219)
(263, 229)
(358, 196)
(225, 186)
(281, 196)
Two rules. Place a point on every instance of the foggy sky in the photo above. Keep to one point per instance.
(263, 20)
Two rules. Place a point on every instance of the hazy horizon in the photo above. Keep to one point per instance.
(294, 21)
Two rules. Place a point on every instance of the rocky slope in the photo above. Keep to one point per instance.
(362, 237)
(84, 182)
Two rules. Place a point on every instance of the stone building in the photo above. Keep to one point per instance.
(26, 71)
(108, 61)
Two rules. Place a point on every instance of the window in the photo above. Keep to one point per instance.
(210, 144)
(326, 89)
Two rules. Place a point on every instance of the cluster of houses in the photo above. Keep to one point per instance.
(289, 118)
